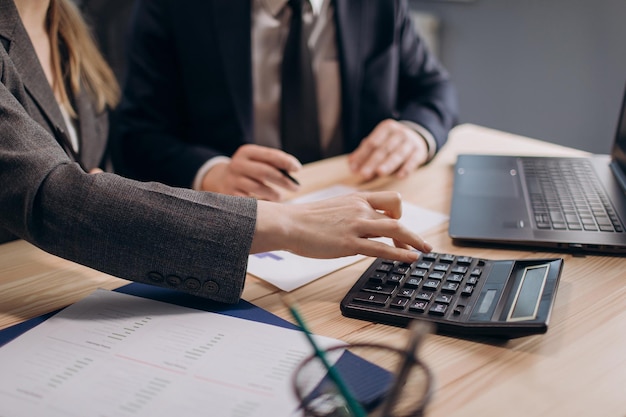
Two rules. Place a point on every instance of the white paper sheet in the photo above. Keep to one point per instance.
(118, 355)
(288, 271)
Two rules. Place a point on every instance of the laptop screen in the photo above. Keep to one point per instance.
(618, 154)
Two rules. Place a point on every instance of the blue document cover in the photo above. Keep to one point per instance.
(243, 309)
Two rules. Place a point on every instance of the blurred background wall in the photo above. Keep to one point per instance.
(549, 69)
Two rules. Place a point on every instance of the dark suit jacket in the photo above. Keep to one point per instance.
(188, 95)
(146, 232)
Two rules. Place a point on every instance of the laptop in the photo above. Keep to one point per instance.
(572, 204)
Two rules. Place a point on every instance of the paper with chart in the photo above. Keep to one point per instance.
(118, 355)
(288, 271)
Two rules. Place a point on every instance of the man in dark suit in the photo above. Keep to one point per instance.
(202, 103)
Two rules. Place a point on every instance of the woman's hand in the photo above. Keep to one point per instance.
(338, 227)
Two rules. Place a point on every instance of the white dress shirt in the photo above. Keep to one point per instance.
(270, 28)
(70, 128)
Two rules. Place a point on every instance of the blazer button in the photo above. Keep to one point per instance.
(173, 280)
(155, 277)
(192, 284)
(211, 287)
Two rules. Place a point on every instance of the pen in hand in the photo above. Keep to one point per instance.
(286, 174)
(355, 408)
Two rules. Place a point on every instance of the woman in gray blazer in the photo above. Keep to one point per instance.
(54, 92)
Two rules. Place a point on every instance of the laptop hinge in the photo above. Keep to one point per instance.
(619, 175)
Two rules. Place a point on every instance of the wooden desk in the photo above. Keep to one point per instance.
(578, 368)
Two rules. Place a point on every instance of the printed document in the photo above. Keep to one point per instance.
(118, 355)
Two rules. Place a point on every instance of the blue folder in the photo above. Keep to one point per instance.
(243, 309)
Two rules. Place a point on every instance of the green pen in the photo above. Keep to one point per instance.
(353, 405)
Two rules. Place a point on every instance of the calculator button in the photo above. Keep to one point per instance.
(399, 302)
(458, 310)
(455, 278)
(412, 282)
(429, 256)
(424, 265)
(468, 290)
(384, 267)
(370, 298)
(419, 273)
(446, 257)
(377, 276)
(441, 267)
(438, 309)
(402, 270)
(419, 306)
(458, 269)
(379, 288)
(431, 284)
(465, 260)
(395, 278)
(477, 271)
(443, 298)
(436, 275)
(424, 296)
(406, 292)
(472, 280)
(450, 287)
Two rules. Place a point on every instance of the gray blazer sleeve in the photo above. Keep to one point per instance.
(145, 232)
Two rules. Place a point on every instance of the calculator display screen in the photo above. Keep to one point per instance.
(528, 294)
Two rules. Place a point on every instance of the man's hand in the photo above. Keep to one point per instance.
(392, 147)
(251, 171)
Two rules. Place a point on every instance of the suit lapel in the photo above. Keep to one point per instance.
(235, 51)
(8, 21)
(27, 64)
(348, 16)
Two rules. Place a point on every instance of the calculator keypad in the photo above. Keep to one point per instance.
(435, 284)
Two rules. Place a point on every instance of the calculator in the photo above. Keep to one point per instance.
(460, 295)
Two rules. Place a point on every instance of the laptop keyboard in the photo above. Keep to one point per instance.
(566, 195)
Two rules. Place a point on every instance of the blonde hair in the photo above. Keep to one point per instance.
(71, 40)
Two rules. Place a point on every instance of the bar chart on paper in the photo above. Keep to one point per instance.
(114, 354)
